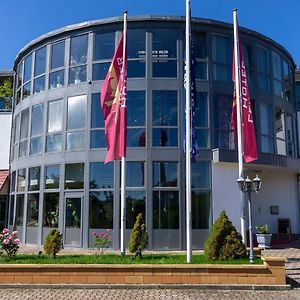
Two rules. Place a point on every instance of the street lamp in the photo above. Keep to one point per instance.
(248, 186)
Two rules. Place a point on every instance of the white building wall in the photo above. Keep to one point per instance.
(5, 126)
(278, 188)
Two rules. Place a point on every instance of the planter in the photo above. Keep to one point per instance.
(77, 81)
(264, 240)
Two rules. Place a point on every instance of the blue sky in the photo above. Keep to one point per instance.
(22, 21)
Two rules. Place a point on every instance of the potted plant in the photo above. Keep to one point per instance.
(263, 236)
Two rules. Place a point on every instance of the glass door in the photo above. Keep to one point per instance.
(73, 220)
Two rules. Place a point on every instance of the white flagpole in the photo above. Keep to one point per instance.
(188, 134)
(123, 161)
(238, 111)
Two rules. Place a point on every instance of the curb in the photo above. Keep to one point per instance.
(149, 286)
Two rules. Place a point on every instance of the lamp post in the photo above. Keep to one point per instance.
(248, 186)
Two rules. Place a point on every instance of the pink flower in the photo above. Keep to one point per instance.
(10, 237)
(103, 235)
(5, 231)
(6, 242)
(108, 230)
(110, 237)
(14, 232)
(17, 241)
(94, 233)
(1, 236)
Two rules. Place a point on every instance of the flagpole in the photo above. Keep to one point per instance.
(188, 135)
(123, 159)
(239, 124)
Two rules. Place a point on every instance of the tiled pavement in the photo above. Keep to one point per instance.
(291, 251)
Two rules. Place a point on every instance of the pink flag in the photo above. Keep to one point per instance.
(113, 104)
(248, 134)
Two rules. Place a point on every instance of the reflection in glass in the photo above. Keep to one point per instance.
(34, 179)
(52, 177)
(78, 53)
(135, 137)
(57, 55)
(136, 108)
(100, 71)
(37, 114)
(135, 174)
(26, 90)
(75, 140)
(164, 68)
(164, 43)
(136, 39)
(73, 213)
(23, 148)
(98, 139)
(101, 212)
(135, 204)
(56, 79)
(27, 67)
(96, 112)
(165, 137)
(74, 176)
(101, 175)
(55, 116)
(51, 210)
(21, 180)
(266, 127)
(137, 69)
(32, 210)
(11, 209)
(39, 84)
(19, 211)
(200, 174)
(200, 210)
(165, 210)
(40, 61)
(53, 143)
(280, 131)
(104, 45)
(24, 124)
(165, 174)
(77, 74)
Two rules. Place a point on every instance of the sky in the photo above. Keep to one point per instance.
(24, 20)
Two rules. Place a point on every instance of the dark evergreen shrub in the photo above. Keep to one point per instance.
(138, 237)
(224, 242)
(53, 243)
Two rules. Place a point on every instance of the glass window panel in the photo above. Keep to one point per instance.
(23, 148)
(36, 145)
(37, 114)
(75, 140)
(20, 74)
(281, 147)
(277, 88)
(51, 210)
(74, 176)
(165, 174)
(135, 138)
(264, 82)
(40, 61)
(136, 108)
(224, 43)
(222, 111)
(263, 65)
(135, 204)
(53, 143)
(78, 53)
(76, 112)
(137, 68)
(39, 84)
(104, 45)
(24, 124)
(11, 210)
(202, 138)
(164, 68)
(201, 112)
(57, 55)
(200, 210)
(32, 210)
(164, 43)
(164, 108)
(199, 44)
(55, 116)
(222, 73)
(165, 137)
(101, 210)
(266, 113)
(26, 90)
(56, 79)
(27, 67)
(101, 175)
(13, 181)
(246, 49)
(19, 212)
(98, 139)
(77, 74)
(96, 112)
(276, 62)
(135, 174)
(165, 210)
(34, 179)
(136, 43)
(100, 71)
(201, 70)
(21, 180)
(267, 144)
(52, 177)
(200, 175)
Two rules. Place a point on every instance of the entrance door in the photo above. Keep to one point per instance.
(73, 220)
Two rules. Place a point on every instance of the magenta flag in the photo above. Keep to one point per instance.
(248, 134)
(113, 104)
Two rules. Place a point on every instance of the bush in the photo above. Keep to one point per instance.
(138, 237)
(102, 241)
(224, 242)
(9, 242)
(53, 243)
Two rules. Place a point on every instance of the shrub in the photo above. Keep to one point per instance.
(262, 228)
(9, 242)
(53, 243)
(102, 241)
(138, 237)
(224, 242)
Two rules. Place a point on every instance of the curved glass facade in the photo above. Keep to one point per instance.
(58, 178)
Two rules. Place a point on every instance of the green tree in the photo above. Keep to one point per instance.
(6, 92)
(138, 237)
(224, 242)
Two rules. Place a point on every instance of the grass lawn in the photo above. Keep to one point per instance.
(116, 259)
